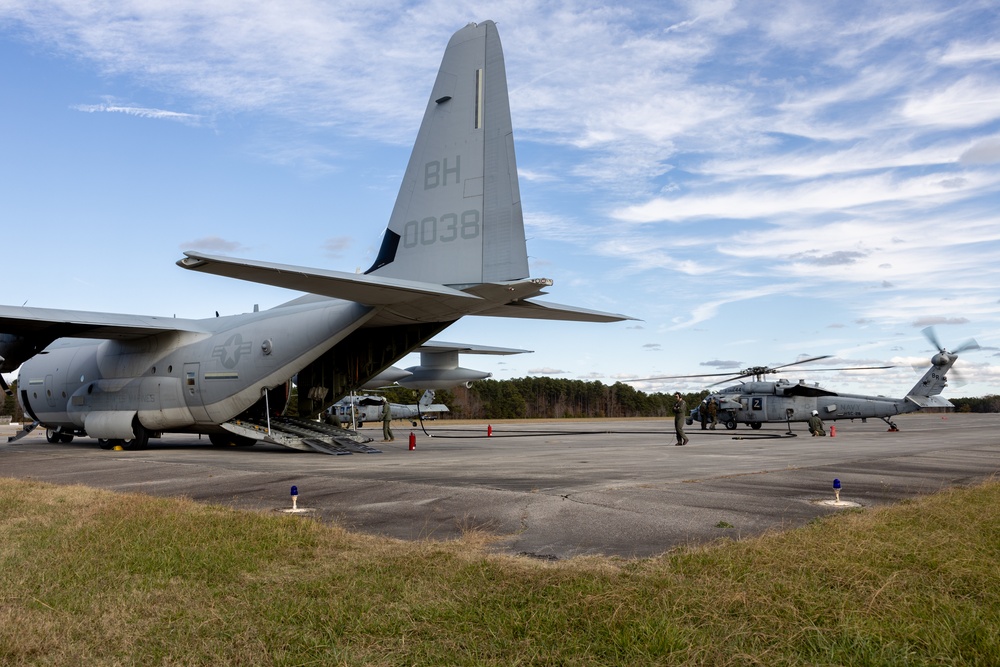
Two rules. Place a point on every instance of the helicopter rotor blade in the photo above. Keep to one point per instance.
(957, 378)
(730, 379)
(970, 344)
(929, 333)
(758, 370)
(675, 377)
(851, 368)
(801, 361)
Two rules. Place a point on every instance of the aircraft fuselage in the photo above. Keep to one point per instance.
(761, 402)
(182, 380)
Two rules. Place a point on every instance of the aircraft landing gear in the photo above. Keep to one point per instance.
(139, 440)
(755, 425)
(892, 424)
(731, 424)
(53, 436)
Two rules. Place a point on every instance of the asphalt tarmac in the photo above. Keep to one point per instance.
(551, 489)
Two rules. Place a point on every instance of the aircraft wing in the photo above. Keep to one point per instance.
(24, 321)
(369, 290)
(25, 331)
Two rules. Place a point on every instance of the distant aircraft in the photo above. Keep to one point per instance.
(454, 246)
(438, 368)
(368, 408)
(759, 402)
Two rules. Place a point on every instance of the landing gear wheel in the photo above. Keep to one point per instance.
(755, 425)
(104, 444)
(731, 424)
(51, 436)
(66, 438)
(141, 438)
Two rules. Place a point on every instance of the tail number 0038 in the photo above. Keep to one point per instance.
(449, 227)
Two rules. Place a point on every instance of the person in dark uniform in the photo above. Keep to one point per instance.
(680, 409)
(386, 421)
(703, 414)
(713, 412)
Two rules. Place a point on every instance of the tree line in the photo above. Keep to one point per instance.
(989, 403)
(555, 398)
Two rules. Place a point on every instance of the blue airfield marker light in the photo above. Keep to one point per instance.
(295, 495)
(836, 489)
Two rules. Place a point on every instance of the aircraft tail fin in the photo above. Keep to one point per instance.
(931, 383)
(934, 380)
(457, 219)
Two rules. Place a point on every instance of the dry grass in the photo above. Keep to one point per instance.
(92, 577)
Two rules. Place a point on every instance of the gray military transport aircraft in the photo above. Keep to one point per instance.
(454, 246)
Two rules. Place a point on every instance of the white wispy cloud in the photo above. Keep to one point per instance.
(140, 112)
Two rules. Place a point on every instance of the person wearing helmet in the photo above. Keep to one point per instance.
(816, 424)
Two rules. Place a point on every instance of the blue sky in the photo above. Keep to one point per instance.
(753, 181)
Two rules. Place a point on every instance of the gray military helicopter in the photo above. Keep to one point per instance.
(758, 402)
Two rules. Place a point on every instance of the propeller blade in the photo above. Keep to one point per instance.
(928, 332)
(970, 344)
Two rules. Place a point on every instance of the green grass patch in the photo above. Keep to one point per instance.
(98, 578)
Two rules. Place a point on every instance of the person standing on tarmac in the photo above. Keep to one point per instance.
(816, 424)
(680, 410)
(703, 414)
(713, 413)
(386, 421)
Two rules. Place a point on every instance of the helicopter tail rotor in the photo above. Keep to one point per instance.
(943, 362)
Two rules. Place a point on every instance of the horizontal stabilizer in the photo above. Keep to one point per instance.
(442, 346)
(936, 401)
(540, 310)
(366, 289)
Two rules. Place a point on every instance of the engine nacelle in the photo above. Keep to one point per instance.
(441, 378)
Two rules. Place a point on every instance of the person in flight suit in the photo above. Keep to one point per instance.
(816, 424)
(680, 409)
(386, 421)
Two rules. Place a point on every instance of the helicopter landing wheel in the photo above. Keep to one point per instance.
(731, 424)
